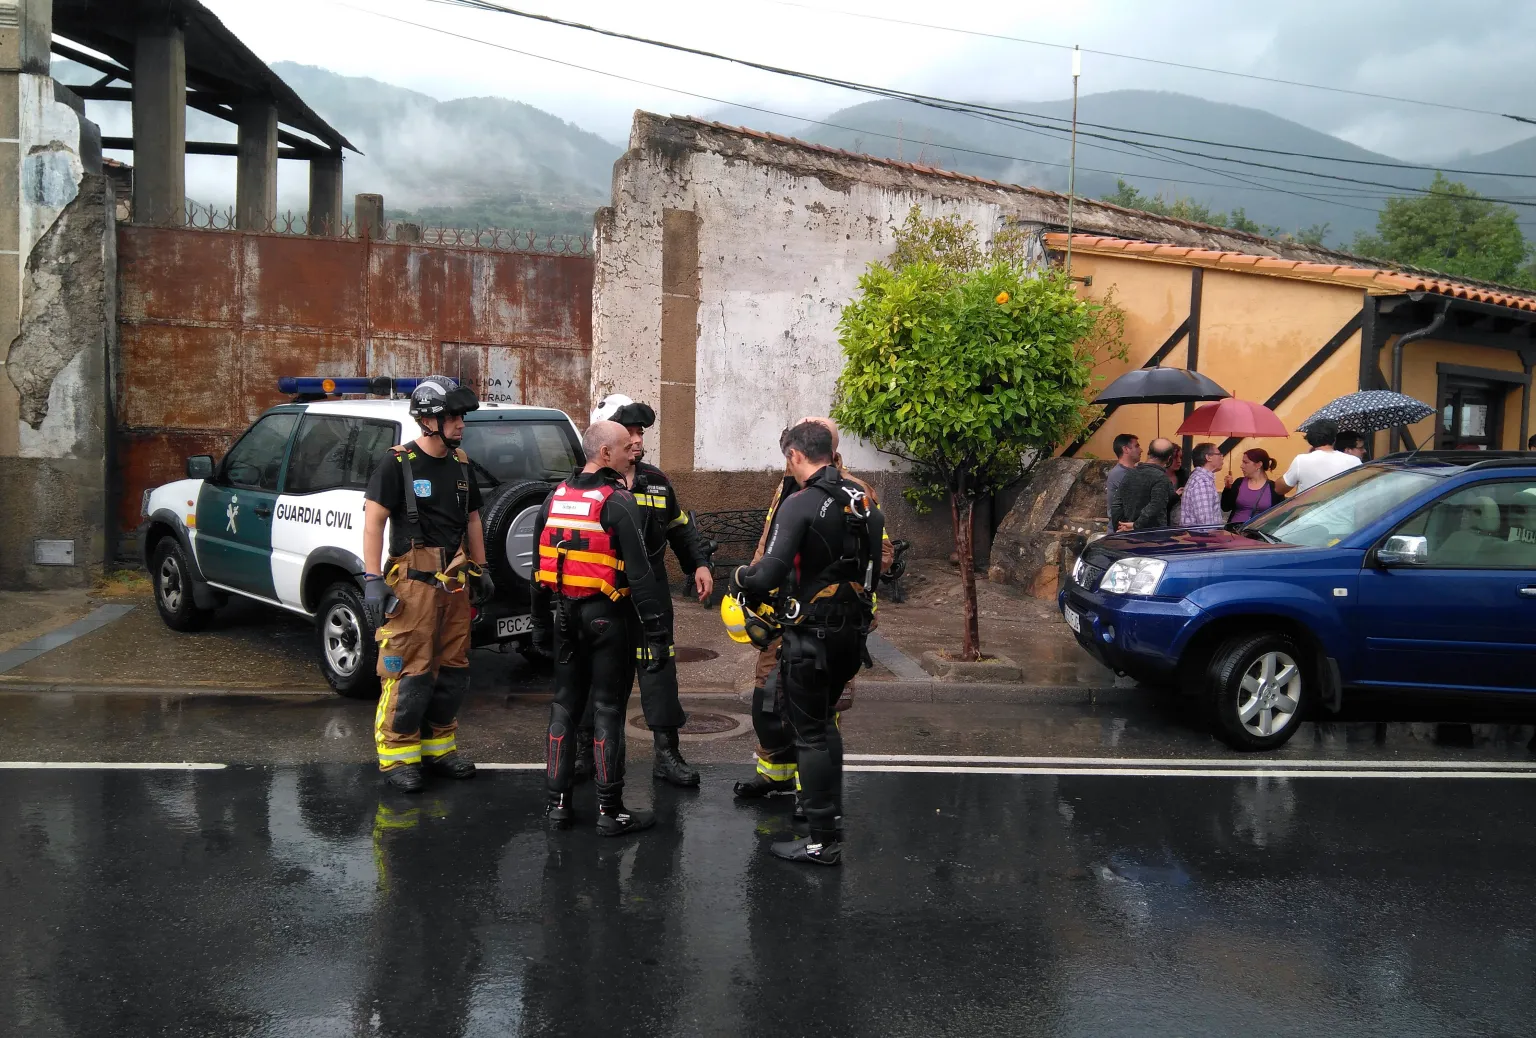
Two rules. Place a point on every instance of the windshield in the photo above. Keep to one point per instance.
(506, 452)
(1331, 511)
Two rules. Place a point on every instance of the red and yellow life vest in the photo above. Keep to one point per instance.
(576, 555)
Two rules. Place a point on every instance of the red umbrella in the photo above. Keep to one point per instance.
(1233, 417)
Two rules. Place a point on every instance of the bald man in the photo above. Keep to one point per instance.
(776, 765)
(1145, 498)
(609, 609)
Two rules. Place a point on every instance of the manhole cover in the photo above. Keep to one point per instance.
(694, 654)
(708, 724)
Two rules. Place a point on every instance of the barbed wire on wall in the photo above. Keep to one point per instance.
(495, 239)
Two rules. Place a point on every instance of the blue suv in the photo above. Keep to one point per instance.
(1417, 571)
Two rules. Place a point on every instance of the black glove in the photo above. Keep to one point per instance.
(378, 600)
(481, 587)
(658, 646)
(733, 586)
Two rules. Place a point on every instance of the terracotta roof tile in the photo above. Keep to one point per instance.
(1379, 279)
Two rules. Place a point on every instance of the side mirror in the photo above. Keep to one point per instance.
(200, 466)
(1403, 550)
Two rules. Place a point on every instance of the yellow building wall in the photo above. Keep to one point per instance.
(1255, 332)
(1421, 379)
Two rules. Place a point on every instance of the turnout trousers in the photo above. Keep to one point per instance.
(594, 662)
(423, 663)
(815, 664)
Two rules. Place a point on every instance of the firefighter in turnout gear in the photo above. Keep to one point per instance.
(820, 569)
(608, 613)
(665, 523)
(419, 601)
(775, 756)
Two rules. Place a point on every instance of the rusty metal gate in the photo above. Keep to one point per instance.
(209, 320)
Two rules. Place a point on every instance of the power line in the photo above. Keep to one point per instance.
(1158, 61)
(927, 100)
(838, 126)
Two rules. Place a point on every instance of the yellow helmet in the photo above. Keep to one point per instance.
(745, 625)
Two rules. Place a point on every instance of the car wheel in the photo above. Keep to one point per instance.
(347, 650)
(172, 574)
(1258, 690)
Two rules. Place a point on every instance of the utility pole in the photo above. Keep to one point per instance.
(1077, 70)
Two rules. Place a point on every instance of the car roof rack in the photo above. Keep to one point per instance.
(1465, 459)
(307, 388)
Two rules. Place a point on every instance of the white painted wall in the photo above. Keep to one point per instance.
(780, 254)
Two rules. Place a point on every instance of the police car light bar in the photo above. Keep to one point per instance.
(317, 386)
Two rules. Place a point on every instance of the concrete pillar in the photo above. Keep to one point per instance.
(24, 51)
(325, 194)
(160, 125)
(369, 216)
(256, 166)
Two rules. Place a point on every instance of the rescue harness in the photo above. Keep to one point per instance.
(451, 579)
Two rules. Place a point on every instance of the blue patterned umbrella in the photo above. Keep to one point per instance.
(1372, 410)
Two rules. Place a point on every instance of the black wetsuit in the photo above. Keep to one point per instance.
(596, 645)
(820, 557)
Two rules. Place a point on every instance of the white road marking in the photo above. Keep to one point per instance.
(1266, 763)
(97, 765)
(508, 767)
(1226, 772)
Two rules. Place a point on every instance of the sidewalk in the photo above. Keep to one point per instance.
(249, 648)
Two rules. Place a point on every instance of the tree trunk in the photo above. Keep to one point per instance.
(962, 518)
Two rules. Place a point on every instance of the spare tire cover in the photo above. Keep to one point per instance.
(509, 530)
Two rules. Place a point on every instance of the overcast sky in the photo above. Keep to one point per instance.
(1482, 54)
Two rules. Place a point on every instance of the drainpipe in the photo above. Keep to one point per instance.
(1435, 324)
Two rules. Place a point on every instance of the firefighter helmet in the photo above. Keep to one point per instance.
(745, 623)
(438, 396)
(616, 407)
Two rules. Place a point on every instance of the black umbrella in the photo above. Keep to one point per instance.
(1372, 410)
(1160, 386)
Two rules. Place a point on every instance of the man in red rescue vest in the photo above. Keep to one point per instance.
(607, 603)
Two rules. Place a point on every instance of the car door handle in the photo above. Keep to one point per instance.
(1529, 592)
(262, 510)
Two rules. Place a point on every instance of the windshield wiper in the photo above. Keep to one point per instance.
(1259, 534)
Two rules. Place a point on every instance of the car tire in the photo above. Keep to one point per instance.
(508, 519)
(1258, 690)
(344, 642)
(171, 572)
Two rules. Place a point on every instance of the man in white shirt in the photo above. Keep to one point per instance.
(1322, 462)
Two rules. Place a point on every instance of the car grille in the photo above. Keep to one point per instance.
(1088, 576)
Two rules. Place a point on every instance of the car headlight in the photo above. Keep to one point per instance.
(1077, 571)
(1133, 576)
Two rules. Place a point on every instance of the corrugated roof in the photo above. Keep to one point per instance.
(1376, 280)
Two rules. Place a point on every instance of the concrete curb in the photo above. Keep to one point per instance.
(8, 687)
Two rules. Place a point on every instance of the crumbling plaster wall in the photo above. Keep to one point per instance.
(59, 363)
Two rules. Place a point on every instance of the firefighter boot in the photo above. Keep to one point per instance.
(614, 819)
(452, 765)
(405, 778)
(760, 785)
(670, 766)
(581, 769)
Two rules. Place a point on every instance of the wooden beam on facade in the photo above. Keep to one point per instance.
(1307, 370)
(1174, 338)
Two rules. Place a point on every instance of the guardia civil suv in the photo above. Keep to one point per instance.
(279, 519)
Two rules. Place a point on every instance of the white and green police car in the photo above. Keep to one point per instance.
(280, 518)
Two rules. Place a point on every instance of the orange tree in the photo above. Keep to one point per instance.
(966, 370)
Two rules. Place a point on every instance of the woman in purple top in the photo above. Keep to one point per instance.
(1255, 492)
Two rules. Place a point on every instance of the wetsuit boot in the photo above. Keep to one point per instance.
(405, 778)
(582, 766)
(822, 847)
(557, 811)
(614, 819)
(670, 766)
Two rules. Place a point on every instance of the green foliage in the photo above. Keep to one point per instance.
(942, 373)
(1185, 209)
(1452, 230)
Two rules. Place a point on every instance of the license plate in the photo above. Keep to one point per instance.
(1073, 620)
(510, 626)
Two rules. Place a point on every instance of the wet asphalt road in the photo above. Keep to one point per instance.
(1150, 884)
